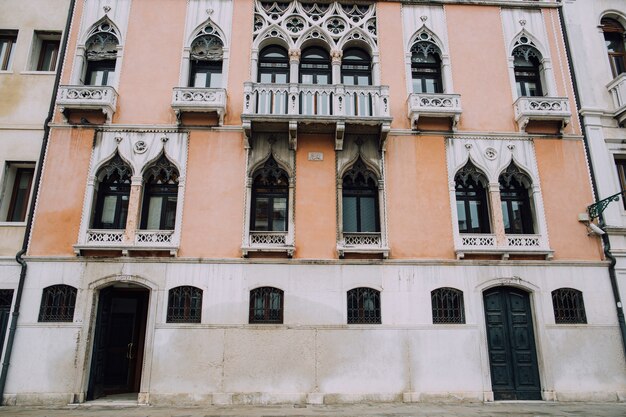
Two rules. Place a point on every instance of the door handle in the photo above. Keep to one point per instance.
(129, 352)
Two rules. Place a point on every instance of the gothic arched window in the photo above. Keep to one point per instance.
(364, 306)
(447, 305)
(569, 307)
(57, 303)
(426, 68)
(527, 68)
(184, 305)
(471, 200)
(160, 196)
(614, 34)
(266, 305)
(356, 67)
(516, 204)
(101, 55)
(270, 195)
(315, 66)
(206, 57)
(113, 193)
(360, 200)
(274, 65)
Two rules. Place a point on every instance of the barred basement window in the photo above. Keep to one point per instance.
(569, 307)
(57, 303)
(447, 304)
(364, 306)
(266, 305)
(184, 305)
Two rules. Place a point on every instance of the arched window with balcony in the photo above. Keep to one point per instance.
(112, 195)
(363, 306)
(517, 211)
(206, 55)
(527, 68)
(270, 197)
(101, 55)
(614, 35)
(356, 70)
(471, 200)
(160, 196)
(359, 200)
(426, 68)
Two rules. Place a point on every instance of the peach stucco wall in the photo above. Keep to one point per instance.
(393, 74)
(479, 68)
(239, 59)
(566, 193)
(316, 196)
(214, 193)
(62, 191)
(151, 63)
(418, 202)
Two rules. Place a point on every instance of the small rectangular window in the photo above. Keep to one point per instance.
(18, 180)
(8, 38)
(45, 51)
(621, 174)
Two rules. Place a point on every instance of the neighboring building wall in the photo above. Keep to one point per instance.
(414, 152)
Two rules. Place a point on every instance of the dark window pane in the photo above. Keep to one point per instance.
(21, 192)
(57, 303)
(569, 307)
(48, 55)
(184, 305)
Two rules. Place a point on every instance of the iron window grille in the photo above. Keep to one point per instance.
(57, 304)
(569, 307)
(266, 305)
(447, 305)
(471, 200)
(184, 305)
(364, 306)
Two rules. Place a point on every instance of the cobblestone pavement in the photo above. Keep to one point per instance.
(517, 409)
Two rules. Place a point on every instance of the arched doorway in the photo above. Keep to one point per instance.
(119, 337)
(511, 344)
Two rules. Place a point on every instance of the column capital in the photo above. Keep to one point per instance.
(294, 55)
(336, 55)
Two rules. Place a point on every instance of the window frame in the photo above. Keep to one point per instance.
(162, 169)
(14, 187)
(266, 294)
(484, 218)
(360, 191)
(620, 165)
(612, 27)
(186, 299)
(57, 297)
(315, 66)
(359, 64)
(357, 314)
(273, 65)
(516, 192)
(106, 66)
(117, 166)
(568, 306)
(426, 68)
(8, 37)
(447, 306)
(269, 169)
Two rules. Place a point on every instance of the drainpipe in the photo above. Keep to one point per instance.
(19, 256)
(606, 242)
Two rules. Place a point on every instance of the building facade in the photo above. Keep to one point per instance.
(257, 202)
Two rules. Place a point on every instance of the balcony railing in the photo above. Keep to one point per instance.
(268, 241)
(617, 88)
(476, 241)
(523, 241)
(117, 240)
(105, 237)
(487, 244)
(154, 238)
(87, 97)
(199, 100)
(554, 109)
(434, 105)
(316, 100)
(362, 243)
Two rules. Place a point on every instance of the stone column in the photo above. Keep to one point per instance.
(496, 214)
(294, 65)
(336, 55)
(134, 207)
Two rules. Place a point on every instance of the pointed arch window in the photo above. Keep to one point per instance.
(517, 210)
(471, 200)
(527, 68)
(101, 55)
(266, 305)
(184, 305)
(113, 194)
(447, 305)
(160, 196)
(270, 196)
(206, 57)
(364, 306)
(426, 68)
(274, 65)
(57, 303)
(360, 200)
(614, 35)
(569, 307)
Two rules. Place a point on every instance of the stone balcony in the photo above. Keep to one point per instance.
(316, 108)
(362, 243)
(487, 244)
(87, 98)
(434, 106)
(617, 88)
(116, 240)
(199, 100)
(542, 109)
(268, 242)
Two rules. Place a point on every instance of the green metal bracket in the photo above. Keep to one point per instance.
(595, 210)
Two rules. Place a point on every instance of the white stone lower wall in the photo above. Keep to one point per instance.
(315, 356)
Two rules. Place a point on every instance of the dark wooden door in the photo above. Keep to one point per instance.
(511, 343)
(118, 342)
